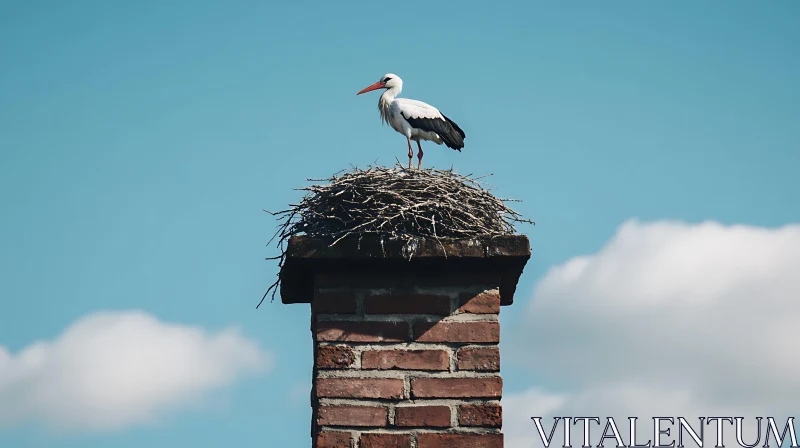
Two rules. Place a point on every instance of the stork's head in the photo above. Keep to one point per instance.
(387, 81)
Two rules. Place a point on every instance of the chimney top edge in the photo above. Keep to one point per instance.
(372, 255)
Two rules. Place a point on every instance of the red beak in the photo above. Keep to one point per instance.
(376, 86)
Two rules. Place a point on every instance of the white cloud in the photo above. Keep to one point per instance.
(518, 410)
(667, 319)
(110, 370)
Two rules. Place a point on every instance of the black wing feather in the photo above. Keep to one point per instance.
(448, 130)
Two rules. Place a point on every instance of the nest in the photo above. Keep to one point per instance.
(397, 203)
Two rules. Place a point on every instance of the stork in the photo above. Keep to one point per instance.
(414, 119)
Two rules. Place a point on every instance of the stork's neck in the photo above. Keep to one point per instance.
(386, 100)
(390, 94)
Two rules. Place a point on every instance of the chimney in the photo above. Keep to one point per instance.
(405, 337)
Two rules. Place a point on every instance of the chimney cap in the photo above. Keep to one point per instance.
(499, 257)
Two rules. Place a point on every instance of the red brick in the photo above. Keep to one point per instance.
(334, 439)
(335, 357)
(373, 440)
(360, 387)
(457, 332)
(489, 415)
(460, 441)
(407, 304)
(479, 358)
(486, 302)
(352, 416)
(334, 303)
(457, 387)
(421, 416)
(405, 360)
(362, 331)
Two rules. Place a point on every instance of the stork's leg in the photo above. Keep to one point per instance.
(410, 153)
(419, 155)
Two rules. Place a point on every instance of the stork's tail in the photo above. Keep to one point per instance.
(453, 136)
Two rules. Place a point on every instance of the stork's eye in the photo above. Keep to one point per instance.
(386, 80)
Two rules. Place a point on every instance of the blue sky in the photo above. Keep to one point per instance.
(140, 142)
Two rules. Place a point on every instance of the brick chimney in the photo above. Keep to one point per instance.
(405, 338)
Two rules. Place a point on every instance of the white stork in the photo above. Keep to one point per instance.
(415, 119)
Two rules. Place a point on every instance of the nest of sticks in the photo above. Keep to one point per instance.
(397, 203)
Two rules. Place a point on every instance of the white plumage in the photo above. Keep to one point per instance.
(414, 119)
